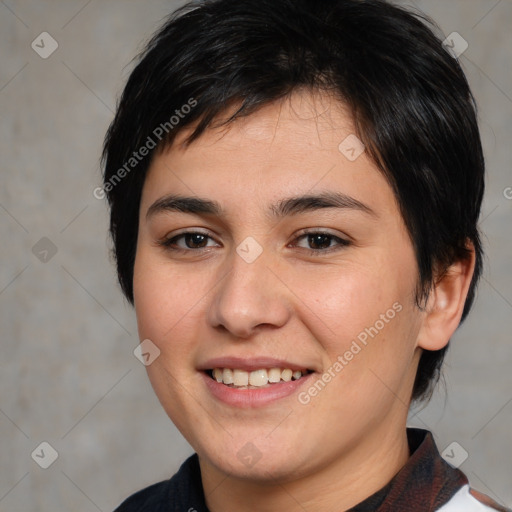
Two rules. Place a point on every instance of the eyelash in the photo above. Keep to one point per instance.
(167, 243)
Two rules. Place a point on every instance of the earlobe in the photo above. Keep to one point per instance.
(446, 303)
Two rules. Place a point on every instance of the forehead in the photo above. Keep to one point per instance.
(305, 143)
(301, 111)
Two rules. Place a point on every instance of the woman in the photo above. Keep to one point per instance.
(294, 189)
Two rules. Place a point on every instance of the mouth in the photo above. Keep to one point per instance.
(262, 378)
(253, 382)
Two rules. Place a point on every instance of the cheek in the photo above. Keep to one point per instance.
(344, 300)
(168, 311)
(365, 315)
(165, 302)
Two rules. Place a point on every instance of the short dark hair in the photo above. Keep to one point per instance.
(409, 98)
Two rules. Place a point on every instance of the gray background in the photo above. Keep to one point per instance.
(67, 372)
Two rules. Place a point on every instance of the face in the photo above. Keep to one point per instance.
(265, 250)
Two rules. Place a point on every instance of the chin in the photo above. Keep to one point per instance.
(251, 460)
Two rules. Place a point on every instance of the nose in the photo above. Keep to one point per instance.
(251, 297)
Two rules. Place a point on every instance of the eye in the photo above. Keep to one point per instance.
(315, 242)
(188, 241)
(320, 242)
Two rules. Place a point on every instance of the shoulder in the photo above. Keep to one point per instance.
(469, 500)
(148, 499)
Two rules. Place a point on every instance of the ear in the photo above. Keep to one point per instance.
(446, 303)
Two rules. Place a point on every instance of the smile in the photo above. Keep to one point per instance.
(258, 381)
(260, 378)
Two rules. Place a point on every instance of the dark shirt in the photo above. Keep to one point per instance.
(425, 484)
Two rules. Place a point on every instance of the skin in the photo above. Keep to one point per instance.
(290, 303)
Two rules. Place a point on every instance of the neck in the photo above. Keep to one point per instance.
(341, 485)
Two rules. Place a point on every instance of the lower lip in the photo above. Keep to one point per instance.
(247, 398)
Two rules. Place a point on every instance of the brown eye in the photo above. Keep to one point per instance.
(320, 242)
(195, 240)
(188, 241)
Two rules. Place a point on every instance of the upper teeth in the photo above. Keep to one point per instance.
(257, 378)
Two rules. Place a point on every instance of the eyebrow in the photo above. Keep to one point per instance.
(284, 207)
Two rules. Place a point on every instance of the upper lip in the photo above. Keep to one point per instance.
(250, 364)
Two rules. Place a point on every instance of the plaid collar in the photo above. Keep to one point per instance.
(424, 484)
